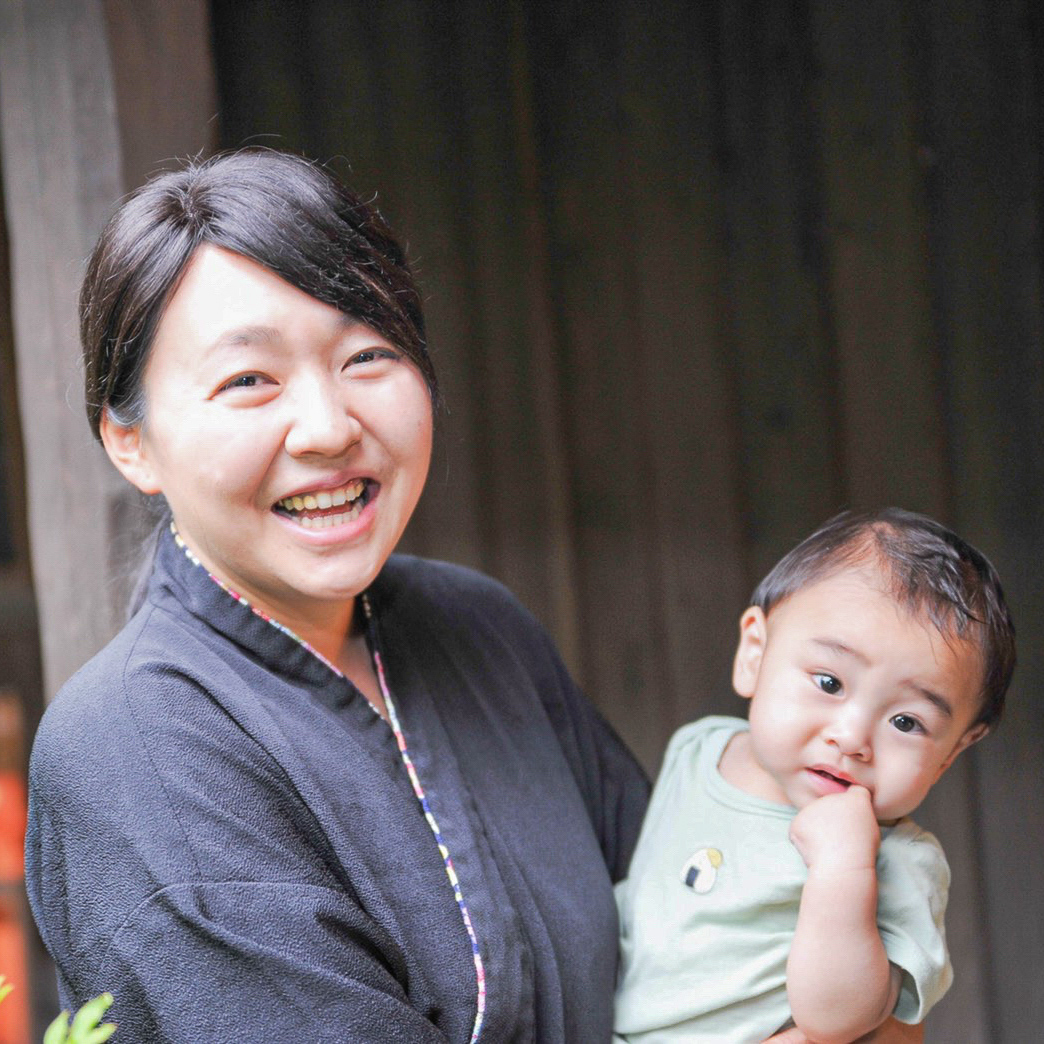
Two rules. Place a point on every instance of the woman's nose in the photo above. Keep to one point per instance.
(321, 421)
(850, 734)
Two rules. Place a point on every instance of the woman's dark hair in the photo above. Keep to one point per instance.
(930, 570)
(279, 210)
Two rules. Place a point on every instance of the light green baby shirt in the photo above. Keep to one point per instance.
(709, 906)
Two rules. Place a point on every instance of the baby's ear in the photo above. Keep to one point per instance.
(747, 664)
(973, 735)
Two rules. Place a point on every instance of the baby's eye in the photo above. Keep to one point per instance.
(828, 683)
(907, 723)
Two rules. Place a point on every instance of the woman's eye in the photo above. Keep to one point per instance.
(906, 723)
(371, 355)
(828, 683)
(244, 380)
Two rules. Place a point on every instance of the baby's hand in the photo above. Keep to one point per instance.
(838, 832)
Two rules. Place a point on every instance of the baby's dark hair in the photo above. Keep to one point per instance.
(930, 571)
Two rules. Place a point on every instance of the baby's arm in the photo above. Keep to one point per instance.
(891, 1031)
(839, 982)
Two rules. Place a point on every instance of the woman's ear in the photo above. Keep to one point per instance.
(126, 450)
(747, 664)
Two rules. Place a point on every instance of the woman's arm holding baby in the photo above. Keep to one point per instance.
(840, 983)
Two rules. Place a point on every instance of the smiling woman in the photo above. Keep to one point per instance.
(313, 790)
(259, 395)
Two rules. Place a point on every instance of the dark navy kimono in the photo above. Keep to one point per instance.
(224, 834)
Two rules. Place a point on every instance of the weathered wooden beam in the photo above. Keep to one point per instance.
(61, 170)
(94, 94)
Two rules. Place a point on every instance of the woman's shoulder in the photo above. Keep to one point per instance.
(430, 586)
(117, 701)
(437, 578)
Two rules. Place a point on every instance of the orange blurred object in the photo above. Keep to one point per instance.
(15, 1023)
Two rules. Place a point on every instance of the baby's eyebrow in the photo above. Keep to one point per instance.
(839, 647)
(940, 702)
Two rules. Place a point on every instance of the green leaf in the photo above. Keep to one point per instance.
(87, 1018)
(58, 1030)
(101, 1034)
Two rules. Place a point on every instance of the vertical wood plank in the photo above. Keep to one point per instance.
(14, 540)
(679, 377)
(261, 74)
(514, 380)
(611, 429)
(61, 172)
(153, 132)
(983, 120)
(783, 337)
(887, 364)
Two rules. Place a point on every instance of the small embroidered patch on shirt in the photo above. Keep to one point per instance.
(701, 870)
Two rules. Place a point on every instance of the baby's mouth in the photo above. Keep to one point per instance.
(322, 509)
(842, 781)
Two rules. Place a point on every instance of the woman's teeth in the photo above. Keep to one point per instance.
(350, 495)
(326, 521)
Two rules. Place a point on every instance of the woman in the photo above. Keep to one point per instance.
(311, 792)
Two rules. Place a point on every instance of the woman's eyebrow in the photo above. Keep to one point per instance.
(239, 336)
(260, 333)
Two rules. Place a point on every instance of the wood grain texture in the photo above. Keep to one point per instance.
(983, 118)
(153, 132)
(61, 174)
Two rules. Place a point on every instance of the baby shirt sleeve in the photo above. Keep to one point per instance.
(913, 884)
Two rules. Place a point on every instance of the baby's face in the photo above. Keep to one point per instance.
(847, 688)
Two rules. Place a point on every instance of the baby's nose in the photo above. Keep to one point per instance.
(850, 734)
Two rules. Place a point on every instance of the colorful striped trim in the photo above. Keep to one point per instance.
(400, 740)
(253, 608)
(418, 790)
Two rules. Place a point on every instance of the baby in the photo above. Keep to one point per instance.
(777, 879)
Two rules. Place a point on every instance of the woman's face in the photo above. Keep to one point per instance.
(291, 442)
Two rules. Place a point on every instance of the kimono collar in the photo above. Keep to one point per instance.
(180, 573)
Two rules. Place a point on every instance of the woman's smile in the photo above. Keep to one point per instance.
(322, 509)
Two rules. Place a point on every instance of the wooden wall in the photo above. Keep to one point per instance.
(94, 94)
(699, 275)
(82, 119)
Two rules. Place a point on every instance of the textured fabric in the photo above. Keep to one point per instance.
(710, 904)
(223, 833)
